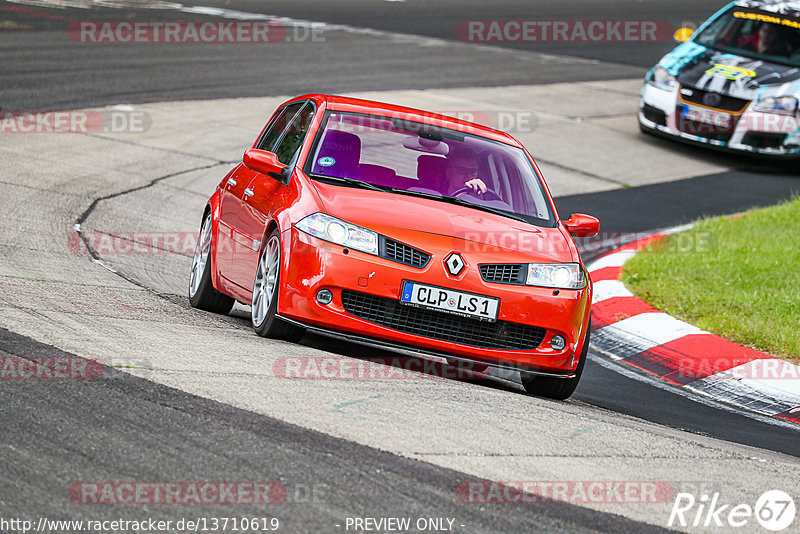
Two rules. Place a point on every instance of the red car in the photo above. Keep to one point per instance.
(403, 228)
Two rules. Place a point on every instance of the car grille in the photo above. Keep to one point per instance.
(763, 140)
(726, 103)
(442, 325)
(402, 253)
(503, 274)
(654, 115)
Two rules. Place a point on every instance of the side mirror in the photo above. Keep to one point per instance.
(581, 225)
(266, 163)
(683, 34)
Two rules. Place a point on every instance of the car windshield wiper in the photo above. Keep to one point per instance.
(431, 196)
(460, 202)
(353, 182)
(496, 211)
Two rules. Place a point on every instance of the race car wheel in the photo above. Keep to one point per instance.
(263, 311)
(557, 388)
(202, 294)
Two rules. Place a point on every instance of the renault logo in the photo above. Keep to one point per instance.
(454, 263)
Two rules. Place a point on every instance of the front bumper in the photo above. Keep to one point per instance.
(749, 132)
(312, 264)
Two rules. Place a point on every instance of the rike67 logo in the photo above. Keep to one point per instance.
(774, 510)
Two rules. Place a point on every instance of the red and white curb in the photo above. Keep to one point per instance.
(632, 332)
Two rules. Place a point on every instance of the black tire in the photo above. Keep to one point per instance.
(202, 294)
(269, 324)
(557, 388)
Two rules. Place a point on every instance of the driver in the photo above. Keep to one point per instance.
(769, 39)
(462, 171)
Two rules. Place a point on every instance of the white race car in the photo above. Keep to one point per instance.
(734, 84)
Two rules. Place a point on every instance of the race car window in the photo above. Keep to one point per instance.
(396, 154)
(293, 136)
(755, 34)
(277, 125)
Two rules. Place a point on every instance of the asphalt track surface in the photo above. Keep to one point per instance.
(151, 432)
(56, 435)
(69, 74)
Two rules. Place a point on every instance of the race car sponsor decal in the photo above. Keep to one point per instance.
(730, 72)
(761, 17)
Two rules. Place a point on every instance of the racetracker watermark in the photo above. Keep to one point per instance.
(760, 369)
(774, 510)
(431, 122)
(181, 493)
(380, 368)
(482, 241)
(49, 368)
(137, 243)
(571, 491)
(509, 121)
(730, 362)
(192, 32)
(76, 121)
(704, 122)
(564, 31)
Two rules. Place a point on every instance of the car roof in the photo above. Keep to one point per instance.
(782, 7)
(358, 105)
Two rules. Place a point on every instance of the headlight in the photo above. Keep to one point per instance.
(340, 232)
(663, 79)
(558, 275)
(777, 104)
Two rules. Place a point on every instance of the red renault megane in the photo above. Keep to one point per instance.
(403, 228)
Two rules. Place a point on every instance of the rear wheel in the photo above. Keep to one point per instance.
(201, 291)
(557, 388)
(264, 307)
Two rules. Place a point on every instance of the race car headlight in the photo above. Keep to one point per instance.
(663, 79)
(556, 275)
(340, 232)
(778, 104)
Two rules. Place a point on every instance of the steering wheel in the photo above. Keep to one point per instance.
(483, 196)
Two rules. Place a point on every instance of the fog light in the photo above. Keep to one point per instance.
(558, 342)
(324, 296)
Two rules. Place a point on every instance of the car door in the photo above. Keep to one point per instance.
(234, 241)
(264, 194)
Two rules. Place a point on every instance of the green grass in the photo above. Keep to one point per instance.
(738, 278)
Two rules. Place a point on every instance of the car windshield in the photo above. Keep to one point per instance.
(407, 157)
(756, 34)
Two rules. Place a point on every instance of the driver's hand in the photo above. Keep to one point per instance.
(477, 185)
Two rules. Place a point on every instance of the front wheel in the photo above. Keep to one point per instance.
(201, 291)
(553, 387)
(264, 307)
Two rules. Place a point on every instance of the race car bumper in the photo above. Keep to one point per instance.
(770, 135)
(366, 303)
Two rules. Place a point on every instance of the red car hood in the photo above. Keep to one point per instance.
(405, 217)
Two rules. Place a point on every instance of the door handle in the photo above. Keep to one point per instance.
(248, 192)
(231, 182)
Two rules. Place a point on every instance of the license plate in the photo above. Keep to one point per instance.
(449, 300)
(707, 116)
